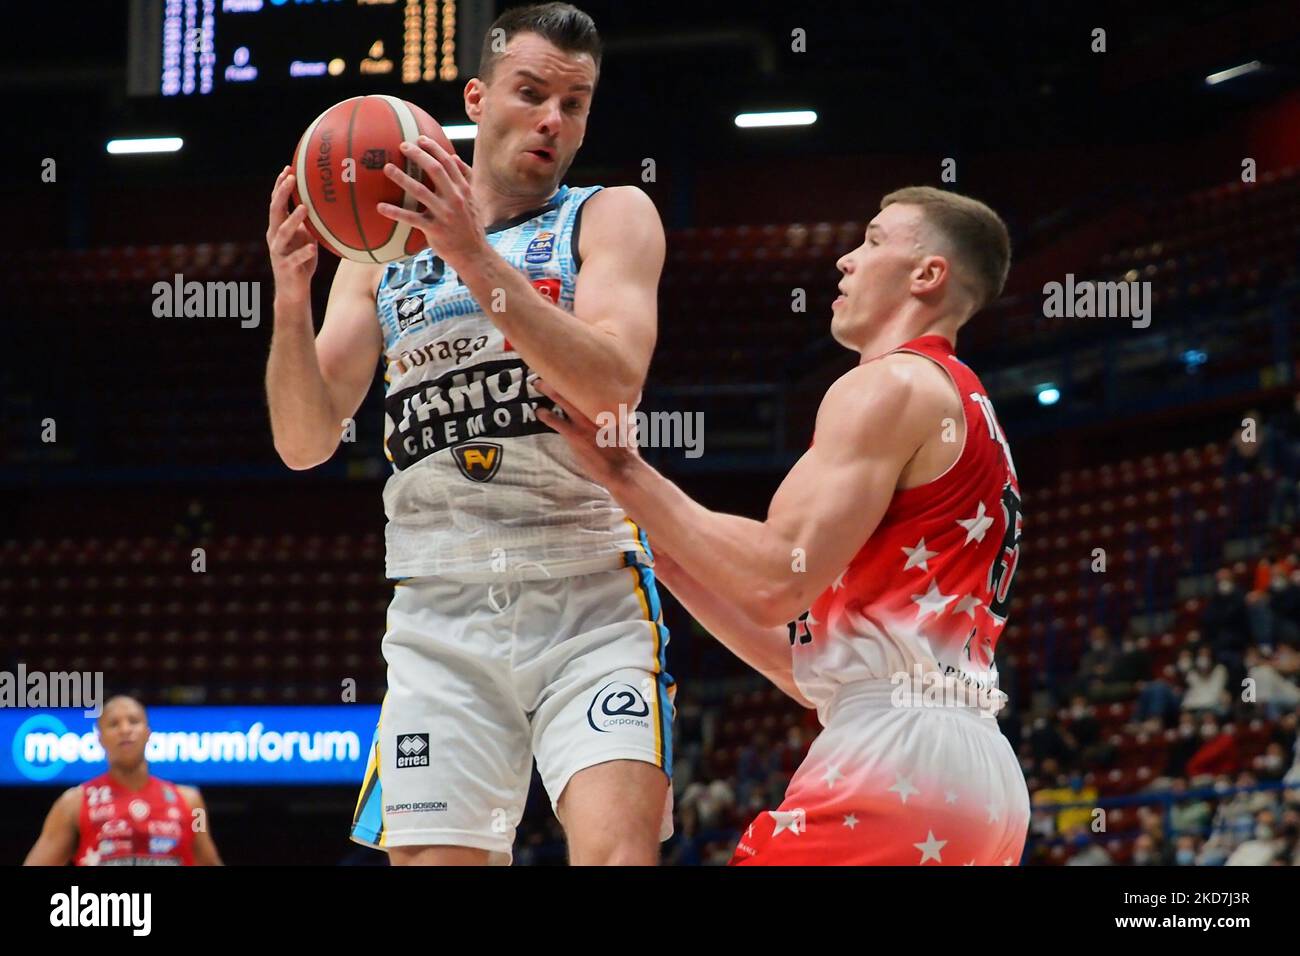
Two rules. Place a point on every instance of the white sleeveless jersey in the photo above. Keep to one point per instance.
(480, 487)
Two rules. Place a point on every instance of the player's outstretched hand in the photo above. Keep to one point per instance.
(607, 453)
(447, 215)
(293, 250)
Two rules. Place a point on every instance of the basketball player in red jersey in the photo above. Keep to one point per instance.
(125, 817)
(890, 547)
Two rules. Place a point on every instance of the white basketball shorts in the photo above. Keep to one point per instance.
(485, 677)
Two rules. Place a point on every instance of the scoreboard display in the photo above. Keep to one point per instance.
(198, 48)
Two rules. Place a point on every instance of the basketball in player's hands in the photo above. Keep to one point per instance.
(339, 167)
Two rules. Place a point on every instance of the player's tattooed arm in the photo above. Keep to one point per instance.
(58, 839)
(205, 850)
(870, 425)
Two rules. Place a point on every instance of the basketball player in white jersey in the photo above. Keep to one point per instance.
(525, 621)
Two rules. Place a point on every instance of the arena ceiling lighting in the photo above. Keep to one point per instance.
(1048, 394)
(464, 131)
(1223, 76)
(154, 144)
(785, 118)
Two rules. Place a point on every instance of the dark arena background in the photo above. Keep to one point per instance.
(149, 531)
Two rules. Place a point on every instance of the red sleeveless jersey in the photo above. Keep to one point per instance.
(120, 827)
(930, 588)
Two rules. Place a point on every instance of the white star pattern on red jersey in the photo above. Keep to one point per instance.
(903, 787)
(792, 820)
(931, 848)
(976, 526)
(932, 601)
(916, 557)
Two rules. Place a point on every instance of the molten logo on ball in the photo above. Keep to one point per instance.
(339, 167)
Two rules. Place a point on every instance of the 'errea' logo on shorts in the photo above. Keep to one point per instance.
(412, 750)
(617, 704)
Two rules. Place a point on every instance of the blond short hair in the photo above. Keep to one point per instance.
(977, 235)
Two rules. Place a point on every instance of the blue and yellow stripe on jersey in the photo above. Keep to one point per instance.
(368, 818)
(639, 563)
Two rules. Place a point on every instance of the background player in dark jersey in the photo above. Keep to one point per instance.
(896, 535)
(126, 816)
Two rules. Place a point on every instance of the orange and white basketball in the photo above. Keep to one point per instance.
(339, 166)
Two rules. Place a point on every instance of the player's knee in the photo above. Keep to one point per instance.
(437, 856)
(624, 851)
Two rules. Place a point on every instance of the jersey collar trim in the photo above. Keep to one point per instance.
(552, 203)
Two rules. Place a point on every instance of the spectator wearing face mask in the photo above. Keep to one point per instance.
(1262, 848)
(1233, 823)
(1224, 621)
(1134, 663)
(1159, 699)
(1256, 799)
(1096, 665)
(1186, 848)
(1275, 610)
(1267, 599)
(1272, 764)
(1087, 851)
(1187, 816)
(1049, 742)
(1207, 684)
(1272, 692)
(1290, 835)
(1186, 743)
(1071, 789)
(1219, 752)
(1086, 731)
(1147, 851)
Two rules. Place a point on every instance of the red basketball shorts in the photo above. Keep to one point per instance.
(886, 785)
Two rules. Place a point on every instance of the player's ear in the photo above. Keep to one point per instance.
(474, 99)
(930, 274)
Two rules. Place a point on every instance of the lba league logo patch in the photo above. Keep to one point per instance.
(412, 750)
(409, 311)
(479, 460)
(541, 248)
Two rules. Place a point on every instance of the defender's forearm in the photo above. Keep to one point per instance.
(744, 561)
(582, 361)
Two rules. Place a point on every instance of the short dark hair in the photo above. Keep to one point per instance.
(113, 699)
(977, 234)
(561, 24)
